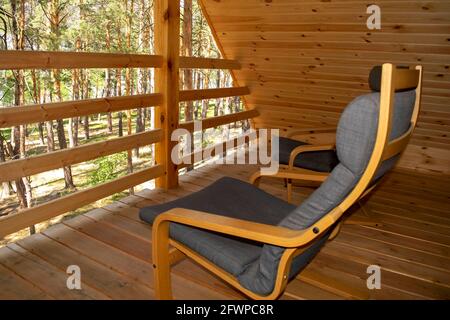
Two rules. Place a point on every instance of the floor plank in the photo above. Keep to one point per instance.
(34, 269)
(15, 287)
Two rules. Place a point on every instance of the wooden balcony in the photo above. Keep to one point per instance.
(112, 247)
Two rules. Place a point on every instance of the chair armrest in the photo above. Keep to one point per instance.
(275, 235)
(308, 148)
(294, 133)
(291, 173)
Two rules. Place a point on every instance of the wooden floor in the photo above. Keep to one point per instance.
(112, 248)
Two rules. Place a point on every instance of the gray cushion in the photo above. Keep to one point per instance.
(232, 198)
(357, 128)
(375, 78)
(322, 161)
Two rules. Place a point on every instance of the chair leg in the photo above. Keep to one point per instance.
(366, 218)
(161, 261)
(289, 190)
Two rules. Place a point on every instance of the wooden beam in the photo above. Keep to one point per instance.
(190, 95)
(17, 221)
(15, 169)
(12, 59)
(167, 44)
(221, 120)
(14, 116)
(208, 63)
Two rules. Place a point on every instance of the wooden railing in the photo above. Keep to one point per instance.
(13, 116)
(220, 120)
(167, 63)
(190, 95)
(16, 169)
(13, 60)
(222, 147)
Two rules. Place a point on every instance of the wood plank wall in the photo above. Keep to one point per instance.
(304, 61)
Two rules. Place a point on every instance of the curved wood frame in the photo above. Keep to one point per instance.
(295, 241)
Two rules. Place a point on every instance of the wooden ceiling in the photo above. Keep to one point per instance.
(304, 61)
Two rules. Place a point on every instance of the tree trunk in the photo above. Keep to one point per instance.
(144, 117)
(28, 197)
(197, 103)
(186, 48)
(110, 123)
(108, 77)
(76, 126)
(50, 136)
(68, 179)
(41, 132)
(108, 94)
(35, 77)
(205, 103)
(119, 93)
(6, 186)
(119, 76)
(219, 100)
(55, 20)
(71, 133)
(86, 95)
(73, 122)
(129, 8)
(17, 133)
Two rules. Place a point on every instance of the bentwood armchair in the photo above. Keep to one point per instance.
(300, 161)
(257, 242)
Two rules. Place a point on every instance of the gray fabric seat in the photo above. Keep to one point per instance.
(256, 266)
(232, 198)
(236, 199)
(322, 161)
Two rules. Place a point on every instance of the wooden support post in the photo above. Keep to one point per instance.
(167, 44)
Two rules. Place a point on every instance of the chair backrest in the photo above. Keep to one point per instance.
(397, 113)
(373, 131)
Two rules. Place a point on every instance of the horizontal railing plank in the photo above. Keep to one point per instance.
(190, 95)
(210, 152)
(220, 120)
(11, 59)
(20, 220)
(208, 63)
(15, 169)
(13, 116)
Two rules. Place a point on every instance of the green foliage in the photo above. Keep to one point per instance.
(107, 168)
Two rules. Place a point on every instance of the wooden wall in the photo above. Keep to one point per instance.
(305, 60)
